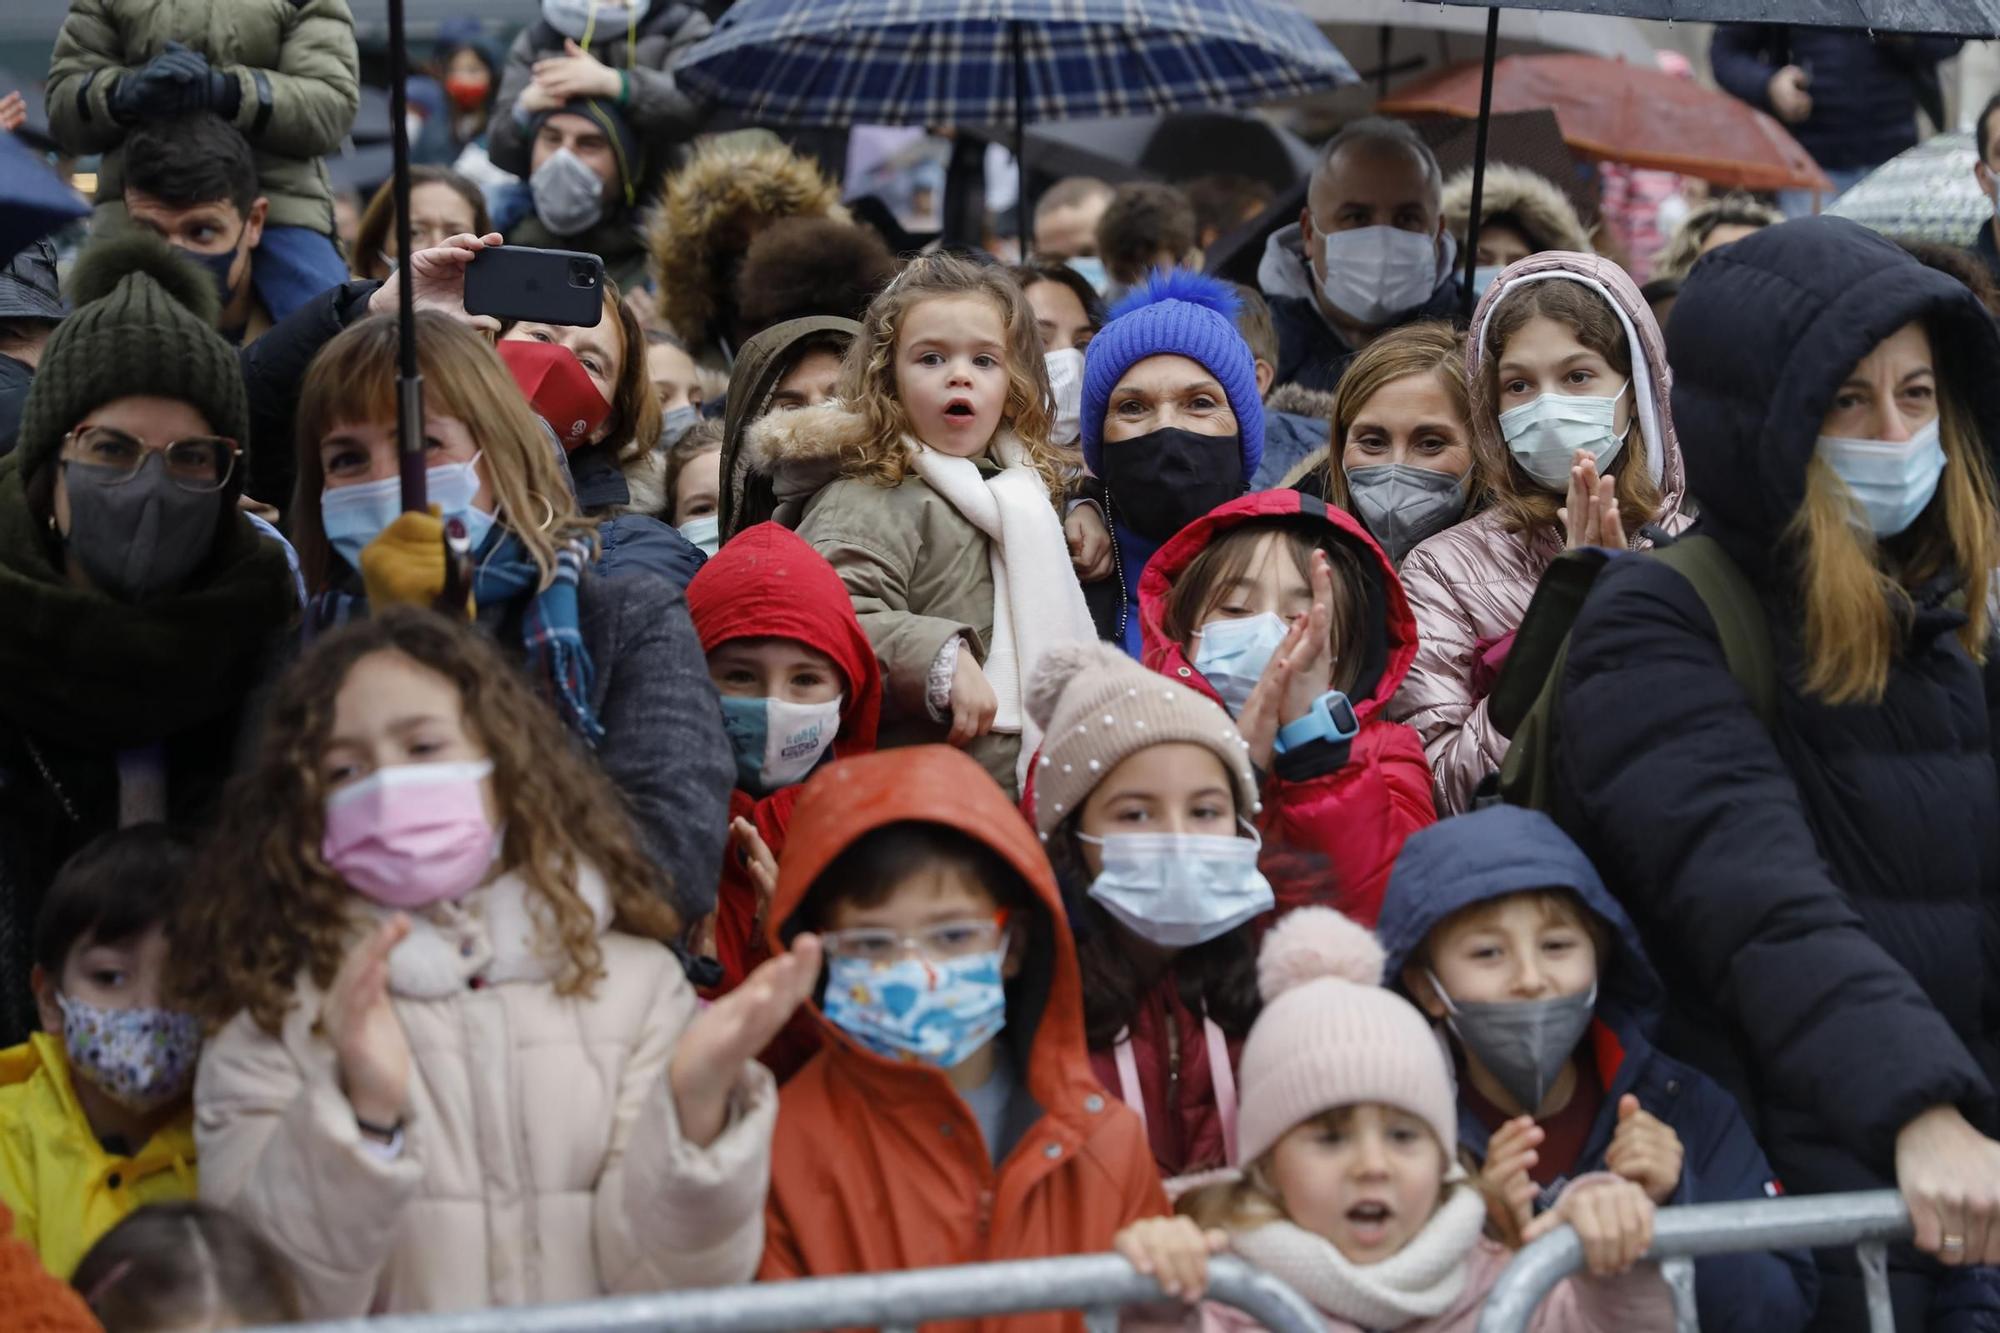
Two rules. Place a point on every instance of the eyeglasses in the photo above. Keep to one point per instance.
(938, 943)
(197, 463)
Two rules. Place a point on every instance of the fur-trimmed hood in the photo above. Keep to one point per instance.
(1300, 401)
(1536, 204)
(708, 213)
(800, 451)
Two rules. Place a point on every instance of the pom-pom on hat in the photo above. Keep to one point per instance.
(144, 324)
(1331, 1036)
(1096, 706)
(1174, 312)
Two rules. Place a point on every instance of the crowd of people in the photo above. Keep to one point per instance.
(877, 757)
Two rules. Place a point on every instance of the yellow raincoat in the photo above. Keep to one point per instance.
(64, 1189)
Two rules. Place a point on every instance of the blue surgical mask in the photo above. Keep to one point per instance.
(1483, 276)
(1231, 655)
(1892, 480)
(1546, 435)
(776, 743)
(353, 516)
(1178, 890)
(938, 1012)
(1091, 269)
(704, 532)
(676, 424)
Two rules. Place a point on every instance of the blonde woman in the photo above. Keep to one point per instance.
(618, 657)
(1823, 894)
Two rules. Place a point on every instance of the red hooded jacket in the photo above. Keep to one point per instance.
(878, 1164)
(767, 583)
(1329, 840)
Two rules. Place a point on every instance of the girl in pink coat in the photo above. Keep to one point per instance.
(1348, 1186)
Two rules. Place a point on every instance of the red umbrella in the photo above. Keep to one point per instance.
(1625, 113)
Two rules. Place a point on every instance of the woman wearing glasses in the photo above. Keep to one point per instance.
(138, 604)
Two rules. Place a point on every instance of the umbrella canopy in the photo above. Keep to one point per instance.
(1422, 35)
(37, 201)
(1927, 192)
(1625, 113)
(996, 62)
(1954, 18)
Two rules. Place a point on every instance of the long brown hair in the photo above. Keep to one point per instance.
(353, 380)
(868, 374)
(271, 906)
(634, 427)
(378, 220)
(1855, 589)
(1431, 347)
(1522, 503)
(1227, 559)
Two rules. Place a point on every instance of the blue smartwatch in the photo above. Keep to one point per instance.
(1331, 718)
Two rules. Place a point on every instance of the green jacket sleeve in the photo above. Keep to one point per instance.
(874, 562)
(88, 60)
(304, 107)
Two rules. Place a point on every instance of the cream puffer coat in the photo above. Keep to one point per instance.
(542, 1158)
(1470, 585)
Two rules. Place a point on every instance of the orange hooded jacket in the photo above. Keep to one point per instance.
(879, 1165)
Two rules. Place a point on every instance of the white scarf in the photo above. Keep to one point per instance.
(1419, 1281)
(1037, 601)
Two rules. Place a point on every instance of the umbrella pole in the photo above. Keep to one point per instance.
(1478, 156)
(409, 384)
(1021, 201)
(1382, 61)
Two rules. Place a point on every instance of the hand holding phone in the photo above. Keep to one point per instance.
(516, 282)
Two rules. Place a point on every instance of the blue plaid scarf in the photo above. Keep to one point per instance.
(549, 625)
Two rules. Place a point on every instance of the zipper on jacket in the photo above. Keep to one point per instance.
(1118, 568)
(985, 1212)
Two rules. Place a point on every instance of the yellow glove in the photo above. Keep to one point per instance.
(405, 565)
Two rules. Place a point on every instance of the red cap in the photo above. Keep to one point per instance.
(557, 387)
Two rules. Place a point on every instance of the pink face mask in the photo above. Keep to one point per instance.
(413, 834)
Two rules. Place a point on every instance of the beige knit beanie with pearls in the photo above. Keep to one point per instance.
(1331, 1035)
(1096, 706)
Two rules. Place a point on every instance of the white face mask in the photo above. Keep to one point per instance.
(1483, 278)
(1374, 274)
(568, 196)
(1892, 480)
(1180, 889)
(1546, 435)
(573, 18)
(776, 743)
(1066, 384)
(705, 532)
(1232, 655)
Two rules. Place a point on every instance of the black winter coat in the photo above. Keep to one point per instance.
(1864, 88)
(1822, 900)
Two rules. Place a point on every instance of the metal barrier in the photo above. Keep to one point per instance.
(1866, 1221)
(1097, 1284)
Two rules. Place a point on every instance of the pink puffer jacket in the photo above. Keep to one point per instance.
(1470, 584)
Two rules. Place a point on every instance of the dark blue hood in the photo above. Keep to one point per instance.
(1470, 859)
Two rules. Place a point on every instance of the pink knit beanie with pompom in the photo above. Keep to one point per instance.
(1331, 1036)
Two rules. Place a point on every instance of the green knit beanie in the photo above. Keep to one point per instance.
(144, 324)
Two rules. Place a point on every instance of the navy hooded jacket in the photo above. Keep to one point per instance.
(1475, 858)
(1822, 896)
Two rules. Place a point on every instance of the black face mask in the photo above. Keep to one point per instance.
(141, 538)
(1163, 481)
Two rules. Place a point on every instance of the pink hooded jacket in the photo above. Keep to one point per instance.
(1469, 585)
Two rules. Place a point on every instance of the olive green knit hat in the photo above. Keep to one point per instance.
(144, 324)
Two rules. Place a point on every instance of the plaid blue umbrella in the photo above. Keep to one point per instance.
(995, 62)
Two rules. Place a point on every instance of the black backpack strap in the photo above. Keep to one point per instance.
(1738, 614)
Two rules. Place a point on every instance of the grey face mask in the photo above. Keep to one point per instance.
(677, 423)
(1402, 503)
(1523, 1043)
(137, 539)
(569, 197)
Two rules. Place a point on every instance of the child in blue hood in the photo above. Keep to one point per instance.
(1499, 927)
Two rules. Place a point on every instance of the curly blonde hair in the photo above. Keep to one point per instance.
(272, 907)
(868, 375)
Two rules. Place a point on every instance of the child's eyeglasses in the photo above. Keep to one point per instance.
(937, 943)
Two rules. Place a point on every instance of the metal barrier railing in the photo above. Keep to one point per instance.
(1097, 1284)
(1866, 1221)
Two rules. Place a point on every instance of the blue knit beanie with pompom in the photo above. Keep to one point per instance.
(1174, 312)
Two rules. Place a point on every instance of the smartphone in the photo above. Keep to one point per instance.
(513, 282)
